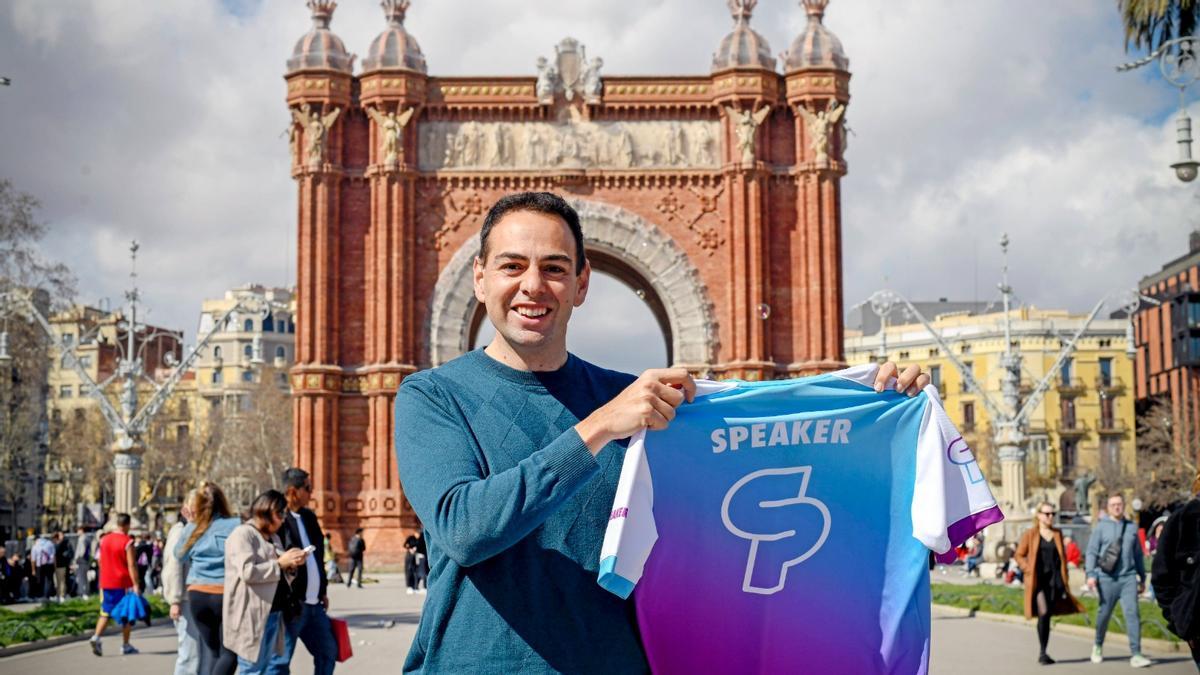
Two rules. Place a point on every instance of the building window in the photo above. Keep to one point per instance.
(1110, 452)
(247, 376)
(281, 352)
(968, 416)
(934, 353)
(268, 324)
(248, 351)
(217, 352)
(1068, 413)
(1070, 450)
(1065, 372)
(248, 326)
(1193, 313)
(181, 432)
(1106, 375)
(183, 407)
(1107, 412)
(904, 356)
(968, 366)
(1039, 448)
(65, 391)
(216, 377)
(68, 339)
(966, 349)
(85, 361)
(935, 376)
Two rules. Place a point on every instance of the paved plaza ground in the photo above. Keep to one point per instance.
(976, 646)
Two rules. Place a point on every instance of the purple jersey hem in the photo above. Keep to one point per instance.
(961, 530)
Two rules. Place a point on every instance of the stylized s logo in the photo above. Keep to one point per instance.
(775, 544)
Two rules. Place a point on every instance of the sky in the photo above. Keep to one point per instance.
(164, 122)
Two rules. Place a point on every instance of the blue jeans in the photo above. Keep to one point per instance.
(1124, 589)
(262, 663)
(313, 628)
(187, 662)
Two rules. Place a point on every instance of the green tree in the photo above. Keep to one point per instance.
(1150, 23)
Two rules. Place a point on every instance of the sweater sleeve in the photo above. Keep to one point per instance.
(172, 573)
(1093, 551)
(472, 516)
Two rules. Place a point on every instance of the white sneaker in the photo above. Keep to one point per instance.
(421, 591)
(408, 591)
(1097, 654)
(1139, 661)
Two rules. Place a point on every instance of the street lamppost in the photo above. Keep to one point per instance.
(127, 421)
(1179, 62)
(1010, 416)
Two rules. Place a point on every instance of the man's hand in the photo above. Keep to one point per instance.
(325, 603)
(1091, 583)
(911, 381)
(292, 558)
(1141, 586)
(176, 611)
(649, 402)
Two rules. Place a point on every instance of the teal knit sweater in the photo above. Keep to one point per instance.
(514, 509)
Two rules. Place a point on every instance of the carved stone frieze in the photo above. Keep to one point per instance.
(573, 144)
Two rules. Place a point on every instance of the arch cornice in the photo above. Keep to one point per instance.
(618, 233)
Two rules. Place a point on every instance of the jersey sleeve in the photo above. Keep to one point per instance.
(631, 531)
(951, 498)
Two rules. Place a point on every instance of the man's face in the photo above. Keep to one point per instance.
(528, 283)
(1116, 507)
(297, 497)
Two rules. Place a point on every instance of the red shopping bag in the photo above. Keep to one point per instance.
(341, 633)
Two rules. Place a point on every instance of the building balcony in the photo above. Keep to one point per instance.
(967, 427)
(1110, 385)
(1076, 428)
(1073, 385)
(1113, 426)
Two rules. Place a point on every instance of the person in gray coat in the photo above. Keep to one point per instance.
(1124, 580)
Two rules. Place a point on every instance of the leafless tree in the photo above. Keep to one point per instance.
(1166, 447)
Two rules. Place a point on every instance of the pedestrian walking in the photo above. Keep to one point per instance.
(174, 575)
(81, 561)
(118, 574)
(63, 553)
(145, 555)
(1176, 572)
(304, 618)
(357, 549)
(1116, 570)
(203, 549)
(411, 581)
(1043, 560)
(156, 563)
(254, 569)
(42, 558)
(422, 563)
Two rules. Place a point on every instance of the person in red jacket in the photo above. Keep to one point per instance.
(118, 569)
(1074, 555)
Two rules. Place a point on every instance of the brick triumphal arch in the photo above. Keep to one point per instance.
(715, 196)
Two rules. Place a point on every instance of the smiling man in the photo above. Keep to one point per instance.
(510, 456)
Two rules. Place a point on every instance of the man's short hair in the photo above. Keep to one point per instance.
(123, 520)
(538, 202)
(1114, 494)
(358, 531)
(295, 477)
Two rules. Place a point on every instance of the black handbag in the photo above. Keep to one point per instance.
(1112, 554)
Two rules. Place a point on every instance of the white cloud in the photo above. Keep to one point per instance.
(161, 121)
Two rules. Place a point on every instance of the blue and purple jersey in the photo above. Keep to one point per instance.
(786, 526)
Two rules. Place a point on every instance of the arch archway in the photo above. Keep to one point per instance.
(618, 242)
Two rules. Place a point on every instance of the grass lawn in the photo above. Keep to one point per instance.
(1011, 600)
(54, 619)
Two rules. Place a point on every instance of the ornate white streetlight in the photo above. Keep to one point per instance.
(130, 422)
(1179, 61)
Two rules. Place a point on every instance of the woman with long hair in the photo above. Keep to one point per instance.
(202, 546)
(1043, 559)
(253, 568)
(1175, 573)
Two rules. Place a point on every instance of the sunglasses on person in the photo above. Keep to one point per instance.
(1048, 513)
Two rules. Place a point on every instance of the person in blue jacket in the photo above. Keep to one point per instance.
(202, 547)
(1125, 581)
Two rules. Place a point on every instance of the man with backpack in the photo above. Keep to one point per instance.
(1117, 571)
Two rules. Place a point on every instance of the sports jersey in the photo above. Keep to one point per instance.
(785, 526)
